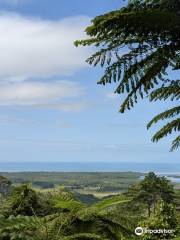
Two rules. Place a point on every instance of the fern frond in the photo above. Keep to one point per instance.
(117, 228)
(68, 203)
(110, 202)
(175, 143)
(145, 82)
(164, 115)
(167, 129)
(19, 228)
(171, 91)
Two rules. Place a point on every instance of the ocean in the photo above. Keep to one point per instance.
(165, 168)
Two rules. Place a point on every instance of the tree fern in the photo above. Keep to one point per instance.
(73, 220)
(90, 222)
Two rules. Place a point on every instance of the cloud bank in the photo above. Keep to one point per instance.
(35, 47)
(35, 50)
(49, 95)
(37, 92)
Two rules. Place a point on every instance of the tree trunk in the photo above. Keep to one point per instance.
(149, 210)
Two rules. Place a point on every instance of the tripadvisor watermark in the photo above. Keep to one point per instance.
(139, 231)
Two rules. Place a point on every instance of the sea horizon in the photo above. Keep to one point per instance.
(142, 167)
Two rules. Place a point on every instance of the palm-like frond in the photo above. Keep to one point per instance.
(164, 115)
(138, 45)
(171, 91)
(173, 126)
(110, 202)
(19, 228)
(73, 221)
(175, 143)
(66, 202)
(167, 129)
(92, 221)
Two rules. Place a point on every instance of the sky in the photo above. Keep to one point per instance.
(51, 109)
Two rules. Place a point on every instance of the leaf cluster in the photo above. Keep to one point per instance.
(139, 45)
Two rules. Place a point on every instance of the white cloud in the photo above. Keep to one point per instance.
(77, 106)
(40, 48)
(39, 93)
(33, 49)
(8, 120)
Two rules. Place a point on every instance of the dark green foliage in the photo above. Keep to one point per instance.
(93, 219)
(5, 186)
(18, 228)
(163, 218)
(27, 202)
(24, 201)
(151, 190)
(140, 45)
(89, 221)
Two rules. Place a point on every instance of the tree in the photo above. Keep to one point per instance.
(153, 189)
(5, 186)
(24, 201)
(27, 202)
(163, 219)
(140, 46)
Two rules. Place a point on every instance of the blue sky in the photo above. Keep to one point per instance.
(51, 108)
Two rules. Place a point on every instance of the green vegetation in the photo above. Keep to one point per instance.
(57, 214)
(139, 45)
(97, 184)
(5, 185)
(151, 190)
